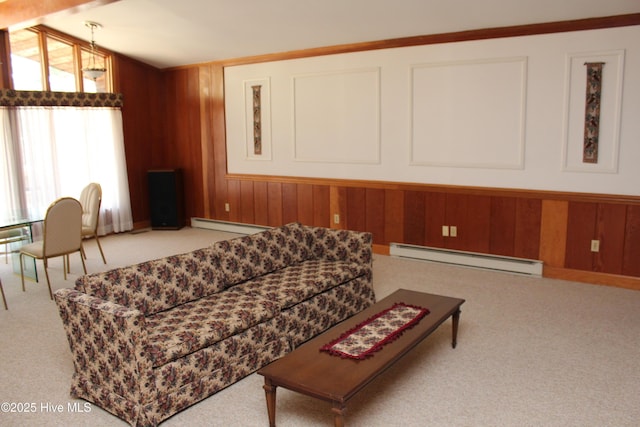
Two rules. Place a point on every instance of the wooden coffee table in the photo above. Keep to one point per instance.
(315, 373)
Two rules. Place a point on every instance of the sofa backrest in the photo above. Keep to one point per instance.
(342, 245)
(160, 284)
(251, 256)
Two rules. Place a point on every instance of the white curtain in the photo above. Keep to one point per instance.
(52, 152)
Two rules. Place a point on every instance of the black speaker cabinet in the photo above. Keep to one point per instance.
(166, 199)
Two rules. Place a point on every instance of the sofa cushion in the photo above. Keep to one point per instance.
(343, 245)
(256, 343)
(198, 324)
(250, 256)
(299, 282)
(157, 285)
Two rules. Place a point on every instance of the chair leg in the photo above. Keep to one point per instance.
(84, 267)
(65, 265)
(22, 270)
(100, 247)
(46, 273)
(4, 298)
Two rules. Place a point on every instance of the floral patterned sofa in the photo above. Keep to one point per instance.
(151, 339)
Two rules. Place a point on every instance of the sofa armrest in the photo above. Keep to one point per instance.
(109, 345)
(342, 245)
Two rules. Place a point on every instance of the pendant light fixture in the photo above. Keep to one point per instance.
(92, 71)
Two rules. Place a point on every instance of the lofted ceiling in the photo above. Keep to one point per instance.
(170, 33)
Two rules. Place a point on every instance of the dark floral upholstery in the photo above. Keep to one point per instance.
(251, 256)
(299, 282)
(198, 324)
(160, 284)
(152, 339)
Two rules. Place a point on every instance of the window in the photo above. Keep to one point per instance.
(62, 75)
(44, 60)
(51, 149)
(26, 60)
(47, 152)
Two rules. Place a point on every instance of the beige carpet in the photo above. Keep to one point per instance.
(531, 352)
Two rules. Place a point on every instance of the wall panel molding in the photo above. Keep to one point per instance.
(469, 135)
(264, 120)
(336, 117)
(610, 111)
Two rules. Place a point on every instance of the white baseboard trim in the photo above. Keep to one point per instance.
(470, 259)
(231, 227)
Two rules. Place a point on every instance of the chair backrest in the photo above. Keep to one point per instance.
(62, 227)
(90, 199)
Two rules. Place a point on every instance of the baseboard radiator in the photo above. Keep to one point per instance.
(469, 259)
(231, 227)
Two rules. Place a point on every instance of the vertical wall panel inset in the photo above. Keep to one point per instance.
(247, 208)
(527, 229)
(234, 200)
(503, 226)
(631, 257)
(414, 210)
(393, 216)
(553, 232)
(261, 202)
(289, 203)
(219, 152)
(305, 203)
(338, 206)
(321, 206)
(435, 218)
(205, 75)
(610, 229)
(374, 214)
(581, 229)
(470, 215)
(356, 209)
(274, 194)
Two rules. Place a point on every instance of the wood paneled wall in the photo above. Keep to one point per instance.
(143, 122)
(161, 125)
(552, 226)
(176, 119)
(182, 140)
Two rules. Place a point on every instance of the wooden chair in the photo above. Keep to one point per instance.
(62, 236)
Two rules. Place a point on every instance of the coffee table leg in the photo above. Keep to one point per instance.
(455, 318)
(338, 414)
(270, 393)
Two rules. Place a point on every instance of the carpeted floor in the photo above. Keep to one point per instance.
(531, 352)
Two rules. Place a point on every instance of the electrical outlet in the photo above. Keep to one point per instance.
(595, 246)
(226, 207)
(453, 231)
(336, 218)
(445, 231)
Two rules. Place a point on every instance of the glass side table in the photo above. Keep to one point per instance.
(14, 234)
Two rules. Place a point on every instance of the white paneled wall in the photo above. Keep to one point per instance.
(494, 113)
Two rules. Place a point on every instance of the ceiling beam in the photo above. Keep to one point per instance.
(22, 14)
